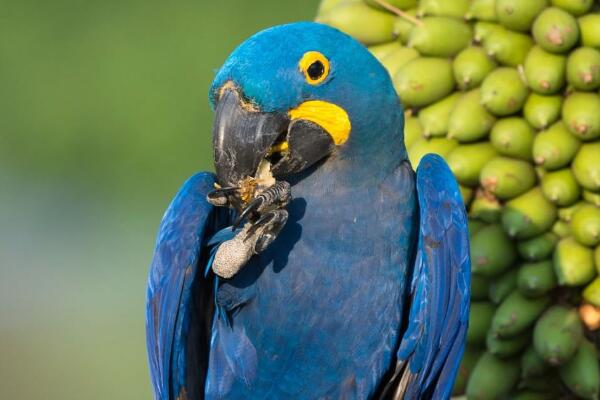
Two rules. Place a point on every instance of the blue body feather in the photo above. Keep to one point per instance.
(365, 291)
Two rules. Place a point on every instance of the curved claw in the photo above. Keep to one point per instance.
(271, 224)
(253, 206)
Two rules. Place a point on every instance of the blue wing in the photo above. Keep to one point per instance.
(179, 304)
(433, 342)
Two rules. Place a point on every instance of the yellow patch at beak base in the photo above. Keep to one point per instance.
(328, 116)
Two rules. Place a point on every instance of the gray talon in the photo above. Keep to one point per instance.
(269, 225)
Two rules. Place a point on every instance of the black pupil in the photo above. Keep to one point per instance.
(316, 70)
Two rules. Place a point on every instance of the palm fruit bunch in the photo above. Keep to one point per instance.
(507, 92)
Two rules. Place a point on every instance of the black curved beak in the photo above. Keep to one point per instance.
(243, 136)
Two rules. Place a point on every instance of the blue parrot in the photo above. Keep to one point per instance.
(315, 263)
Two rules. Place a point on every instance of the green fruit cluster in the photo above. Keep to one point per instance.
(507, 92)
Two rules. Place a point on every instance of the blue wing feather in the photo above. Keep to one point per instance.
(434, 339)
(178, 307)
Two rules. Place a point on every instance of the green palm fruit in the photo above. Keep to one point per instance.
(541, 111)
(467, 160)
(471, 66)
(561, 229)
(544, 71)
(441, 146)
(555, 30)
(583, 68)
(517, 313)
(412, 131)
(403, 27)
(397, 58)
(424, 80)
(483, 30)
(380, 51)
(434, 118)
(480, 287)
(469, 121)
(466, 194)
(502, 286)
(592, 292)
(557, 334)
(486, 207)
(518, 15)
(566, 213)
(538, 248)
(536, 279)
(582, 374)
(492, 252)
(513, 137)
(581, 114)
(560, 187)
(364, 23)
(575, 7)
(506, 177)
(503, 92)
(480, 318)
(597, 258)
(401, 4)
(573, 263)
(528, 215)
(475, 226)
(590, 30)
(440, 36)
(532, 364)
(467, 364)
(507, 47)
(586, 166)
(482, 10)
(444, 8)
(509, 347)
(585, 225)
(327, 5)
(591, 197)
(555, 147)
(492, 378)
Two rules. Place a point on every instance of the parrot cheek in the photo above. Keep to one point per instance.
(307, 143)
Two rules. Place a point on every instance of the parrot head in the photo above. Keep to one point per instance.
(297, 94)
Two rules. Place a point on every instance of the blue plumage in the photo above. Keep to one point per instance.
(363, 294)
(174, 293)
(433, 343)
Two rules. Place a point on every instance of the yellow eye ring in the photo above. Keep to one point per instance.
(314, 66)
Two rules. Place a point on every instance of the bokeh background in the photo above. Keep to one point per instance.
(103, 114)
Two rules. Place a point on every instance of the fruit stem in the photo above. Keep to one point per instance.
(399, 12)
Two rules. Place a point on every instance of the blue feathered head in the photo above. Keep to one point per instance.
(300, 93)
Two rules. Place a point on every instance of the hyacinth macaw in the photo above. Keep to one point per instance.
(345, 275)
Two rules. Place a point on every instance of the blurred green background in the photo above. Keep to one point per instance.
(103, 114)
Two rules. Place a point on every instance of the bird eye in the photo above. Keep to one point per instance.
(315, 67)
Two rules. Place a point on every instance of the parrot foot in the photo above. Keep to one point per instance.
(233, 254)
(274, 197)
